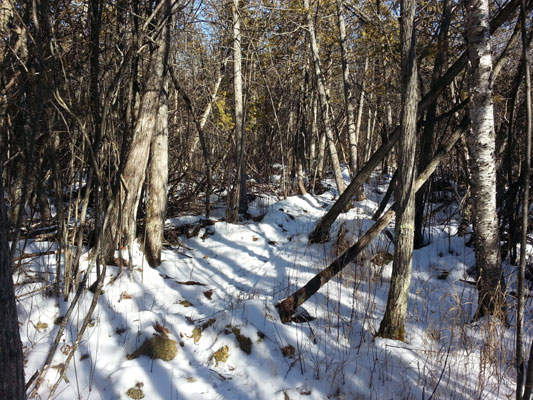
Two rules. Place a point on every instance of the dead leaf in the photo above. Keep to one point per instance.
(163, 331)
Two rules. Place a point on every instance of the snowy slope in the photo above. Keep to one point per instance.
(220, 288)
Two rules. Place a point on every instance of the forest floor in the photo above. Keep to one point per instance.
(214, 297)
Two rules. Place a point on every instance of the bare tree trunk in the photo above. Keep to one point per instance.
(157, 183)
(237, 201)
(11, 358)
(324, 104)
(360, 108)
(120, 227)
(353, 130)
(313, 133)
(321, 138)
(526, 172)
(392, 325)
(347, 87)
(482, 163)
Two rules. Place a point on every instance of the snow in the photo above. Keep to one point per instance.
(243, 270)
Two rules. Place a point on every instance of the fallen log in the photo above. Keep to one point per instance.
(288, 306)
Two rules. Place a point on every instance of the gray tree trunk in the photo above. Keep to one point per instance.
(157, 183)
(237, 202)
(392, 325)
(360, 108)
(324, 104)
(347, 87)
(483, 162)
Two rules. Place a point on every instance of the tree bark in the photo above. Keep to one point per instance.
(11, 358)
(157, 183)
(360, 108)
(482, 162)
(392, 325)
(347, 88)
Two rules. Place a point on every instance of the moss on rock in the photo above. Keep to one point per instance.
(159, 347)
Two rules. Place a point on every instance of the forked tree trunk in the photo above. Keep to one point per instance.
(120, 227)
(11, 358)
(483, 162)
(392, 325)
(324, 104)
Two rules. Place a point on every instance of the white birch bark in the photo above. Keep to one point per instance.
(481, 144)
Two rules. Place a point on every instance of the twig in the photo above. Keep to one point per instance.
(57, 339)
(86, 321)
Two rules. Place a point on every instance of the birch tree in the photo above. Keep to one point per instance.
(321, 231)
(481, 144)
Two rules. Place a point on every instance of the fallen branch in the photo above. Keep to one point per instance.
(288, 306)
(34, 255)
